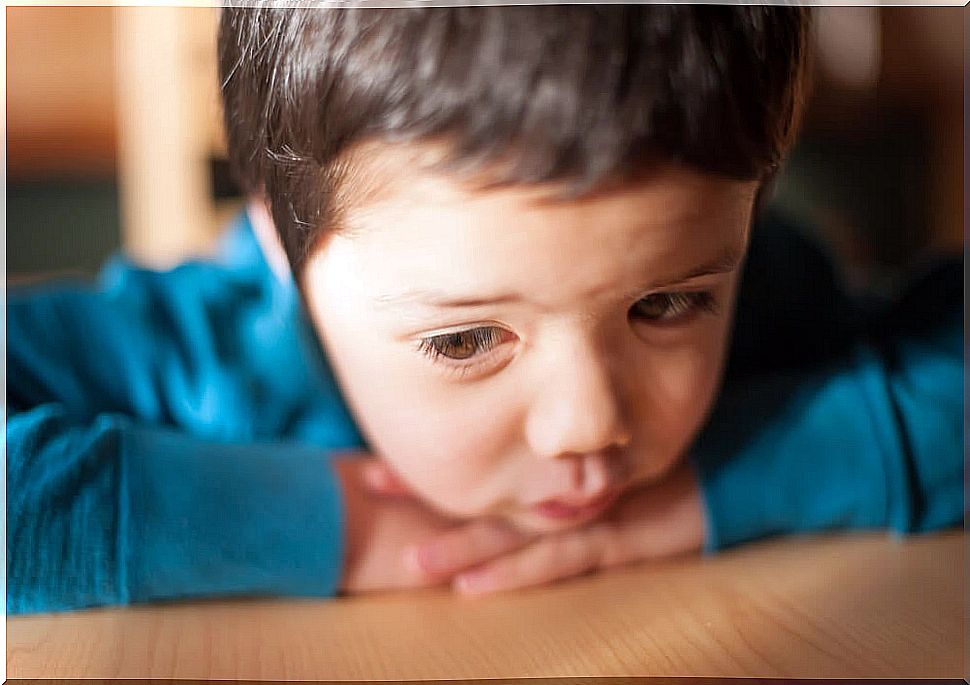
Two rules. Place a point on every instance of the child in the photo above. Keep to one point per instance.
(518, 233)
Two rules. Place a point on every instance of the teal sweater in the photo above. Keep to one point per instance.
(168, 434)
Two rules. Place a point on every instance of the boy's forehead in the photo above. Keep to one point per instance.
(428, 231)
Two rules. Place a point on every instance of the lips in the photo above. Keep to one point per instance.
(564, 510)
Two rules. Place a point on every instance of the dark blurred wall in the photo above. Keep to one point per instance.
(60, 226)
(878, 170)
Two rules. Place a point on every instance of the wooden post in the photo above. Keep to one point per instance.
(167, 96)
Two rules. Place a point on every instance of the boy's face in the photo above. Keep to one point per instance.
(512, 354)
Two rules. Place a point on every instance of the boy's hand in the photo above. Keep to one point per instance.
(381, 531)
(660, 520)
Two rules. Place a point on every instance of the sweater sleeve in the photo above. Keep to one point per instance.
(112, 512)
(168, 436)
(866, 432)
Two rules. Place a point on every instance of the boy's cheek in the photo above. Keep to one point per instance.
(679, 389)
(453, 457)
(448, 449)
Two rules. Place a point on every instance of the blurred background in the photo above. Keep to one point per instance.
(114, 138)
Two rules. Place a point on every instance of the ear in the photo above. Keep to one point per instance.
(268, 239)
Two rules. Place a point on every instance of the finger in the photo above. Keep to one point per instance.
(379, 479)
(467, 546)
(549, 559)
(661, 520)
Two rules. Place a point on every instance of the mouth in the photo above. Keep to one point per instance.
(562, 510)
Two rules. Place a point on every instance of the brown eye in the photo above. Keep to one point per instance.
(664, 307)
(461, 345)
(456, 345)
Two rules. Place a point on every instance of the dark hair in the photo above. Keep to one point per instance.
(571, 93)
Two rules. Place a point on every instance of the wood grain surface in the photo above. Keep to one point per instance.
(847, 606)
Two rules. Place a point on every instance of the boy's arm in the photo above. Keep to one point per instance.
(866, 434)
(141, 460)
(112, 512)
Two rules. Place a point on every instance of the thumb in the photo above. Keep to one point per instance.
(380, 479)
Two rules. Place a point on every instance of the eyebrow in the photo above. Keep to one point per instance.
(725, 262)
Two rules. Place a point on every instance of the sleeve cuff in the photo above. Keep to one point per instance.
(792, 454)
(213, 519)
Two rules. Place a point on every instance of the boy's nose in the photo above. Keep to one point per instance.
(578, 410)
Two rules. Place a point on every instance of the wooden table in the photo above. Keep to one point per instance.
(850, 606)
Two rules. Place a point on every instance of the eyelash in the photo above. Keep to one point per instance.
(678, 306)
(485, 338)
